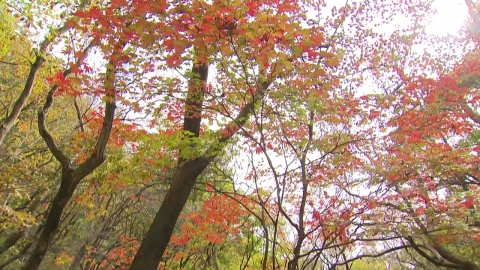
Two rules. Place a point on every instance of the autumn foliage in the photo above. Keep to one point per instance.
(237, 134)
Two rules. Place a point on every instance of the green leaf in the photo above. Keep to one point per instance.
(297, 50)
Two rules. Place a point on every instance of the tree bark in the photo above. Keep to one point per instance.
(72, 177)
(53, 219)
(14, 237)
(78, 258)
(447, 259)
(16, 256)
(156, 240)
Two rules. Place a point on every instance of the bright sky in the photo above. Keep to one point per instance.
(450, 17)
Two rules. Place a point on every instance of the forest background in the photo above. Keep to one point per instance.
(229, 134)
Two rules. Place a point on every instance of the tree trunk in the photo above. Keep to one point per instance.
(156, 240)
(63, 196)
(22, 99)
(78, 258)
(27, 90)
(72, 177)
(13, 238)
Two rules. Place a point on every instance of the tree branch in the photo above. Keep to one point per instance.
(242, 117)
(47, 137)
(431, 259)
(27, 89)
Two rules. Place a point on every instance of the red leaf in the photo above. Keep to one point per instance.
(469, 202)
(269, 146)
(209, 187)
(205, 27)
(420, 210)
(252, 8)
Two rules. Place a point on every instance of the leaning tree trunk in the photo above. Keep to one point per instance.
(71, 177)
(158, 236)
(22, 99)
(156, 240)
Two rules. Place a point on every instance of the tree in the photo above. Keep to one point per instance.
(258, 48)
(36, 64)
(27, 168)
(70, 175)
(334, 167)
(425, 171)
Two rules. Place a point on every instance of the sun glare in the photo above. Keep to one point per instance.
(451, 15)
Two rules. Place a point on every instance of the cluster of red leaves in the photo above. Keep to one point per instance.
(426, 160)
(218, 220)
(122, 255)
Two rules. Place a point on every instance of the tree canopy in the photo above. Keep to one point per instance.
(228, 134)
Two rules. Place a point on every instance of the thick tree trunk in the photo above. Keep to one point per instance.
(156, 240)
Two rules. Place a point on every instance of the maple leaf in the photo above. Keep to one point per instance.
(170, 116)
(118, 3)
(252, 7)
(173, 60)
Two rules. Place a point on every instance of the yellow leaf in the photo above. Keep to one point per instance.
(332, 62)
(107, 99)
(326, 54)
